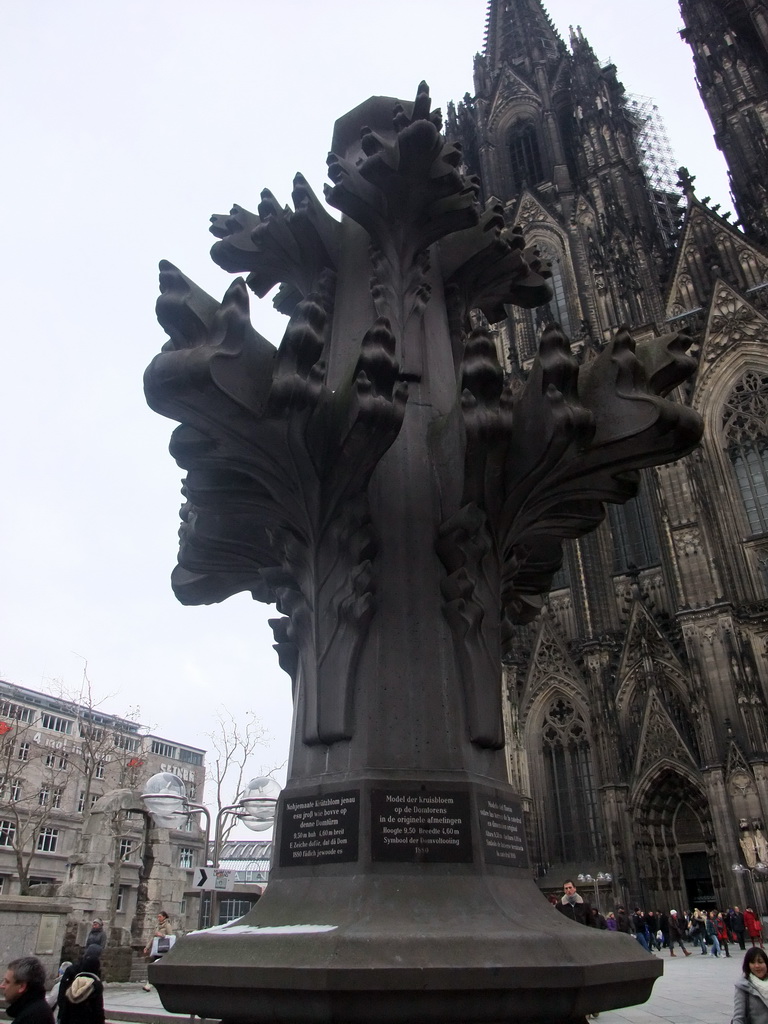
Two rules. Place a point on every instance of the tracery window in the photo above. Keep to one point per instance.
(571, 808)
(745, 427)
(557, 308)
(525, 159)
(635, 540)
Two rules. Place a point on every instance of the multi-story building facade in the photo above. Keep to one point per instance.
(636, 704)
(61, 762)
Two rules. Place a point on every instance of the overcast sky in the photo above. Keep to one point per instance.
(125, 125)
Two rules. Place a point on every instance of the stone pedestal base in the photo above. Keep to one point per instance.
(439, 943)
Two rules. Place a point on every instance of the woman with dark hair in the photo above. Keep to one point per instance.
(750, 1000)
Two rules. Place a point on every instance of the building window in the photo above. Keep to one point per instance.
(745, 416)
(188, 824)
(98, 772)
(55, 723)
(635, 541)
(556, 310)
(81, 802)
(127, 847)
(94, 798)
(571, 804)
(4, 880)
(190, 756)
(12, 788)
(164, 749)
(762, 565)
(91, 732)
(129, 743)
(23, 751)
(233, 908)
(44, 796)
(48, 840)
(56, 794)
(525, 159)
(57, 761)
(122, 894)
(182, 904)
(186, 855)
(7, 833)
(21, 714)
(41, 880)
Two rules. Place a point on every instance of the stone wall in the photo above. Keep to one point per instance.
(32, 925)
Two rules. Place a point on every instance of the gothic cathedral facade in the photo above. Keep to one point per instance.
(636, 704)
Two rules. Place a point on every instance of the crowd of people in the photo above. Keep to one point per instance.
(713, 932)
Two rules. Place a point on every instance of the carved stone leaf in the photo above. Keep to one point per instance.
(575, 439)
(490, 266)
(277, 471)
(279, 246)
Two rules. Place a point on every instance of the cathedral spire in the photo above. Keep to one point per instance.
(521, 34)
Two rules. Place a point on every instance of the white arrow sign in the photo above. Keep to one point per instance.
(214, 878)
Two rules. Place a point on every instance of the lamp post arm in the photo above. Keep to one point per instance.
(200, 808)
(223, 811)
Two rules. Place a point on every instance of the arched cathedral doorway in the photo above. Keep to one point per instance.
(674, 842)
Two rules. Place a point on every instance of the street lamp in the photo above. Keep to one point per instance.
(165, 797)
(600, 878)
(256, 807)
(761, 870)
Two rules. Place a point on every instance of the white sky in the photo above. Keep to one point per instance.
(126, 124)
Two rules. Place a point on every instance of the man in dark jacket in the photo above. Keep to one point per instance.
(736, 924)
(24, 989)
(572, 905)
(622, 921)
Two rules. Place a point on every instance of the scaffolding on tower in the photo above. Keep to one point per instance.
(658, 160)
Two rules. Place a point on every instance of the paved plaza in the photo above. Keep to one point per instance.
(693, 990)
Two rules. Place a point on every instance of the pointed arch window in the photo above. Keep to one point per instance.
(745, 427)
(524, 155)
(557, 308)
(635, 539)
(571, 794)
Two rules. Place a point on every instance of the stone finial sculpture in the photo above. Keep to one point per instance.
(376, 479)
(280, 444)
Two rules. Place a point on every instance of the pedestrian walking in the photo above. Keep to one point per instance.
(698, 930)
(753, 927)
(737, 926)
(676, 934)
(722, 933)
(161, 941)
(710, 932)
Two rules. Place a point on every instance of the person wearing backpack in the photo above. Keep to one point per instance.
(81, 993)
